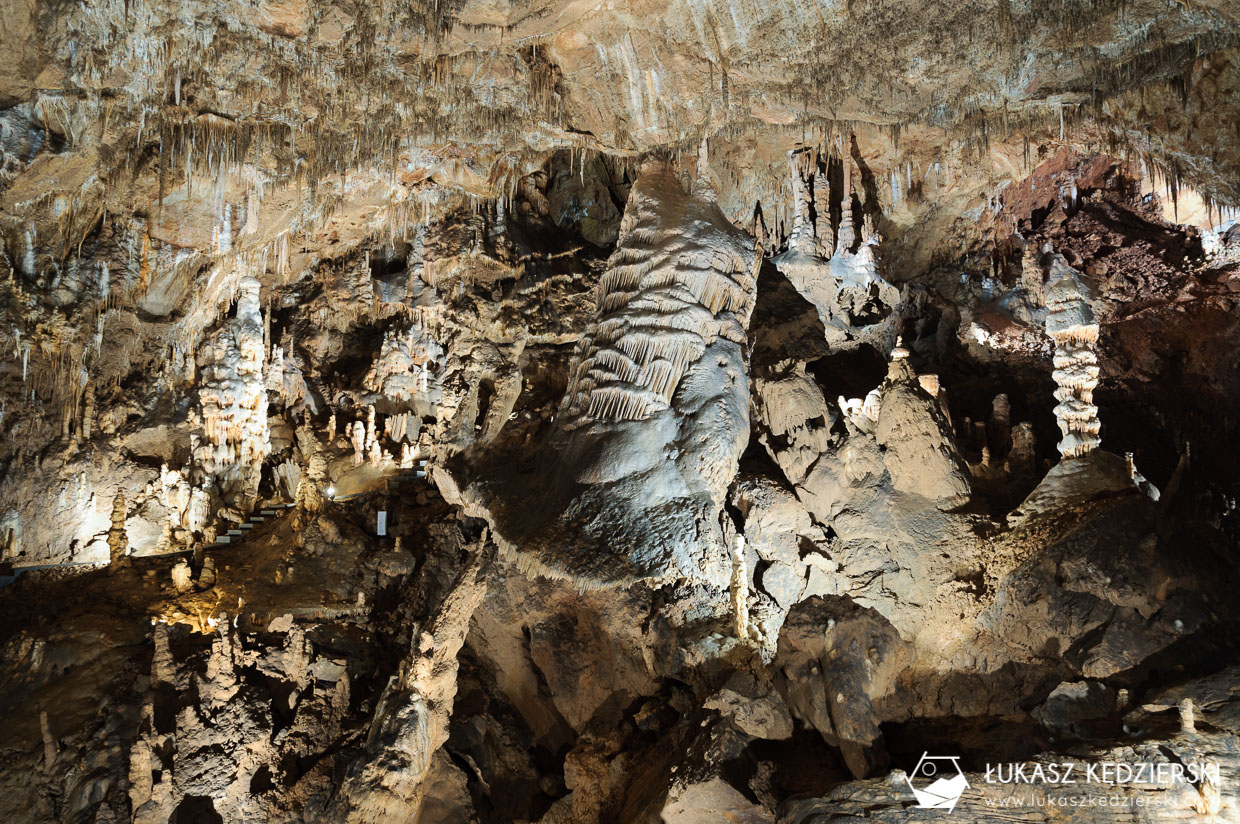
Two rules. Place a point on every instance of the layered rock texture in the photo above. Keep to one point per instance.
(475, 412)
(631, 484)
(1071, 325)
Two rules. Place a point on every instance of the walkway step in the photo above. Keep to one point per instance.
(234, 533)
(222, 541)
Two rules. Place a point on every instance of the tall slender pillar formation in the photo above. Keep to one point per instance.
(1071, 324)
(234, 399)
(118, 540)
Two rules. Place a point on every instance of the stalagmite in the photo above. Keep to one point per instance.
(198, 513)
(288, 478)
(1188, 721)
(999, 426)
(359, 442)
(50, 747)
(1071, 325)
(28, 255)
(118, 541)
(411, 720)
(373, 452)
(182, 577)
(659, 374)
(310, 490)
(863, 413)
(1023, 453)
(402, 370)
(234, 400)
(740, 589)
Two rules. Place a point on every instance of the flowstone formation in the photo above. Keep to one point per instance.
(656, 411)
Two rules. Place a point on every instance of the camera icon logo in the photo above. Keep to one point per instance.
(937, 781)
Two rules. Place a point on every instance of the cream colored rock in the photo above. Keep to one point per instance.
(711, 802)
(841, 279)
(1071, 324)
(182, 577)
(656, 413)
(234, 400)
(793, 408)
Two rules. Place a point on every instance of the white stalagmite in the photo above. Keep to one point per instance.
(358, 433)
(285, 379)
(402, 372)
(740, 589)
(28, 255)
(1071, 325)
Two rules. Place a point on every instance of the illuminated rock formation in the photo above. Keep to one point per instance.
(656, 411)
(1072, 326)
(118, 541)
(407, 368)
(411, 721)
(841, 278)
(488, 509)
(234, 399)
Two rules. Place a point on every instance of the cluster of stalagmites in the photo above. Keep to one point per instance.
(223, 739)
(1071, 325)
(406, 368)
(828, 266)
(1003, 450)
(189, 505)
(241, 378)
(401, 427)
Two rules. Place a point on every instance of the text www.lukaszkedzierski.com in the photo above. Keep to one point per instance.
(1110, 801)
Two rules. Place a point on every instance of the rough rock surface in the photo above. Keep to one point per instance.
(684, 411)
